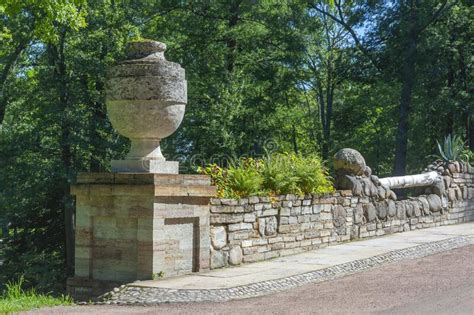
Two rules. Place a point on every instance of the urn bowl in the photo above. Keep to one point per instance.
(146, 99)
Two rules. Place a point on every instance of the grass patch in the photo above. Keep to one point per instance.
(16, 299)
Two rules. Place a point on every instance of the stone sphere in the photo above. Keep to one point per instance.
(350, 161)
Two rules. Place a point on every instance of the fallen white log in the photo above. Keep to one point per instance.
(419, 180)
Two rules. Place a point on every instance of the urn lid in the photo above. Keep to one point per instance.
(145, 48)
(146, 58)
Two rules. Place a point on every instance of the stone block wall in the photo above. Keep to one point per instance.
(260, 228)
(136, 227)
(460, 195)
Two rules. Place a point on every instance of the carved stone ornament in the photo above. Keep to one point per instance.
(146, 96)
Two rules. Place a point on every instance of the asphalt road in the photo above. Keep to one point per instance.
(438, 284)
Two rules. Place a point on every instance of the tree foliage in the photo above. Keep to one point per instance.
(310, 77)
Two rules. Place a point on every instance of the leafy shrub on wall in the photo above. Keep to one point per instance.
(242, 178)
(245, 179)
(295, 174)
(277, 174)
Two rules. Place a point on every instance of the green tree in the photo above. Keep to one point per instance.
(392, 47)
(55, 125)
(386, 78)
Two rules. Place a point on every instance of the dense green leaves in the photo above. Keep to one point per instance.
(295, 174)
(275, 174)
(46, 15)
(308, 77)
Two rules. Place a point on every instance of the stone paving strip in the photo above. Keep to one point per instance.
(394, 248)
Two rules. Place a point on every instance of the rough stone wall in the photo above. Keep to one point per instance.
(461, 197)
(260, 228)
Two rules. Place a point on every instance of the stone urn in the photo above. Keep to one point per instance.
(146, 99)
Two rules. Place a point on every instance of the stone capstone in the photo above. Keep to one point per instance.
(235, 256)
(145, 49)
(218, 237)
(350, 161)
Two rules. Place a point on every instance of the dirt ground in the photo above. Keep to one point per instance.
(438, 284)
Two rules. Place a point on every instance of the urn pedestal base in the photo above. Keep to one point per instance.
(136, 227)
(145, 166)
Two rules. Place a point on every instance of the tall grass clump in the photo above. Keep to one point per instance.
(15, 298)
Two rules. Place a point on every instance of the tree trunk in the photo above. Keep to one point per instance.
(449, 130)
(408, 79)
(66, 152)
(97, 119)
(314, 118)
(469, 115)
(327, 131)
(10, 63)
(294, 140)
(234, 8)
(322, 114)
(470, 131)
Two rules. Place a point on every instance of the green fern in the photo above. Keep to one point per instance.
(291, 173)
(277, 174)
(244, 181)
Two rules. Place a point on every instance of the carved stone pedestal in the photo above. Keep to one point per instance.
(136, 227)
